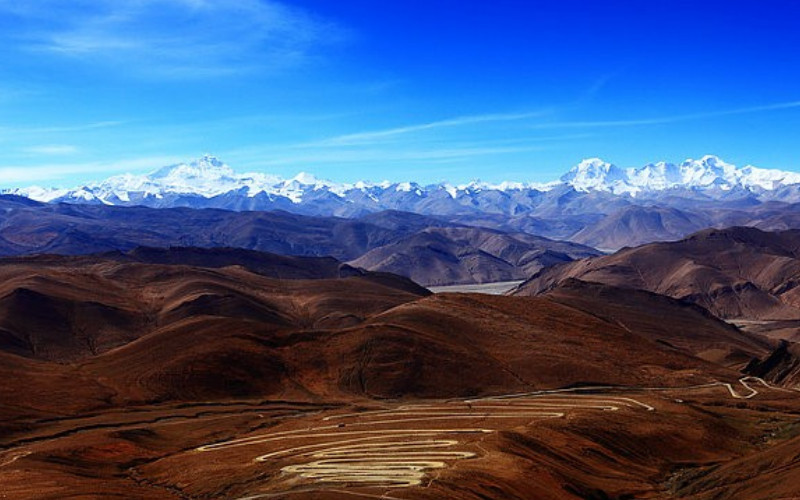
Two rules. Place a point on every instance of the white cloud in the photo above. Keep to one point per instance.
(378, 156)
(670, 119)
(378, 135)
(171, 38)
(14, 174)
(8, 132)
(52, 149)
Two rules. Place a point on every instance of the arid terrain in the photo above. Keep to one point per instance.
(692, 442)
(736, 273)
(134, 376)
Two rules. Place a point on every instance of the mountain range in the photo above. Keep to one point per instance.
(209, 179)
(454, 253)
(595, 203)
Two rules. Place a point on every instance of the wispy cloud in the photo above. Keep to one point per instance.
(400, 154)
(15, 174)
(379, 135)
(9, 133)
(171, 38)
(79, 127)
(380, 156)
(52, 150)
(669, 119)
(593, 90)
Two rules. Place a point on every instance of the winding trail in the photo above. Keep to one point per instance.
(14, 457)
(377, 449)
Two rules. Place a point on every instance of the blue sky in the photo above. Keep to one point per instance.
(423, 90)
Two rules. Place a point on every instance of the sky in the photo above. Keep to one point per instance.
(394, 89)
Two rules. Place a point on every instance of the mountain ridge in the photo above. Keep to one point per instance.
(209, 177)
(596, 203)
(736, 273)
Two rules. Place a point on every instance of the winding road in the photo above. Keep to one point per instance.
(379, 449)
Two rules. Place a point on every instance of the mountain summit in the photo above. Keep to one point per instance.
(594, 173)
(209, 182)
(707, 173)
(207, 167)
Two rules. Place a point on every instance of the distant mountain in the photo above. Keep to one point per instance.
(447, 255)
(709, 173)
(637, 225)
(595, 203)
(210, 183)
(436, 251)
(734, 273)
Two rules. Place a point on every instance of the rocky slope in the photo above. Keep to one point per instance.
(734, 273)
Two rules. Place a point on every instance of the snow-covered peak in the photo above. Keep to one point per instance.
(409, 187)
(38, 193)
(306, 179)
(206, 168)
(767, 179)
(208, 177)
(655, 176)
(594, 174)
(707, 173)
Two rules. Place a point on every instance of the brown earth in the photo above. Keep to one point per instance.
(678, 324)
(117, 374)
(696, 443)
(736, 273)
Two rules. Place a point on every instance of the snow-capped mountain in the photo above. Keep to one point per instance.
(707, 173)
(206, 177)
(210, 183)
(595, 174)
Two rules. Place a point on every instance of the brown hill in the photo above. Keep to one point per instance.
(454, 255)
(154, 332)
(781, 367)
(67, 308)
(189, 356)
(678, 324)
(771, 473)
(264, 263)
(734, 273)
